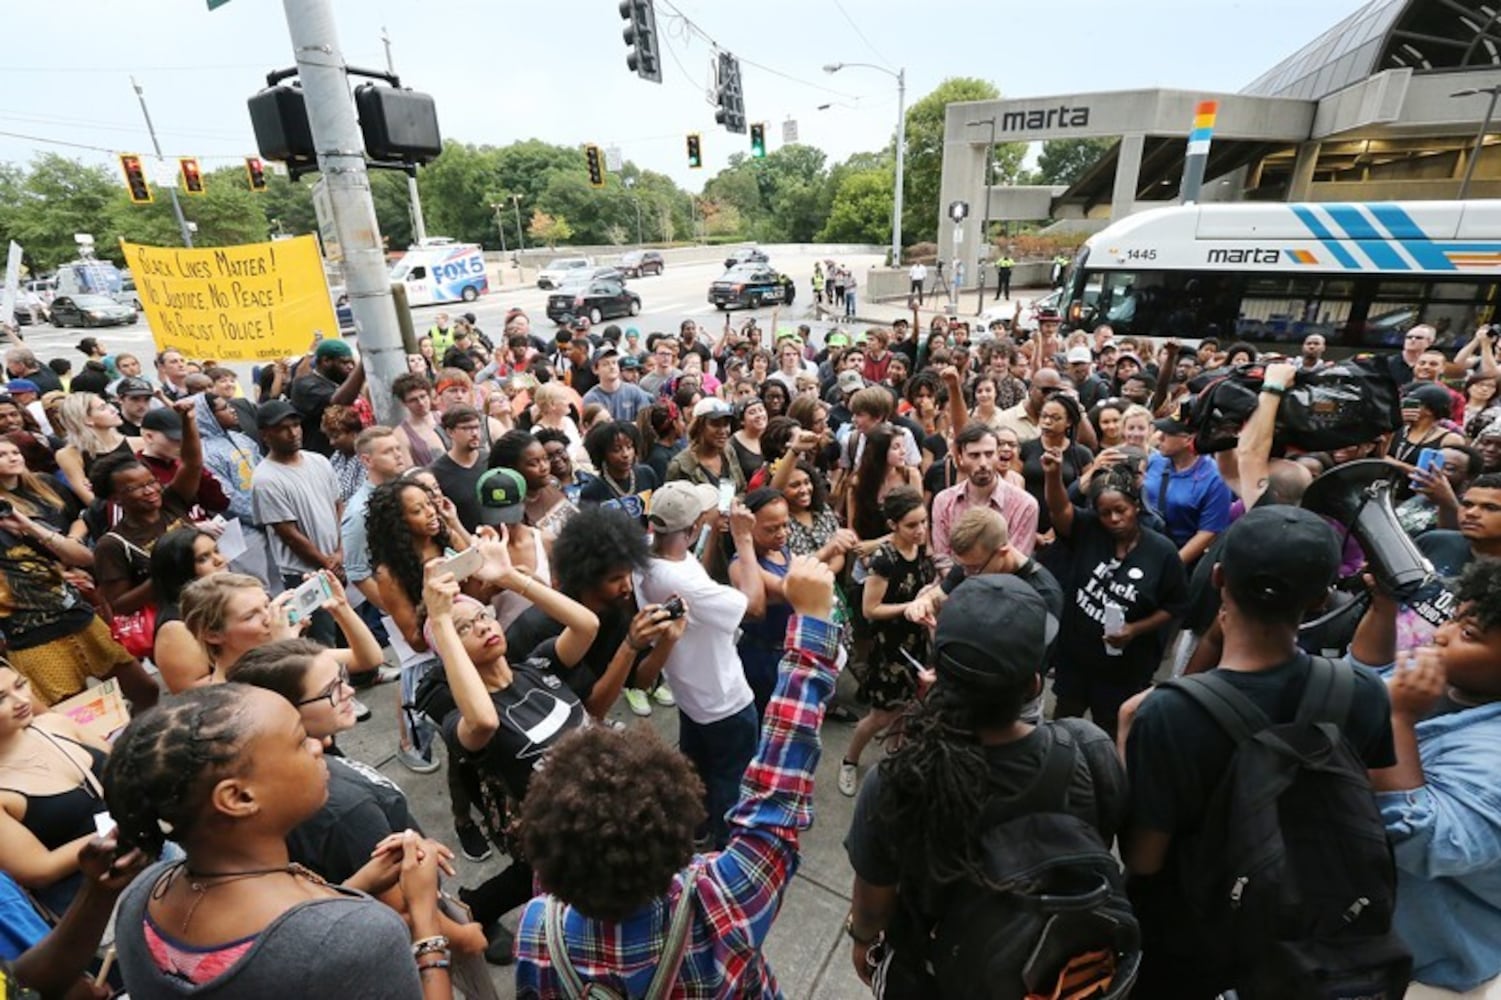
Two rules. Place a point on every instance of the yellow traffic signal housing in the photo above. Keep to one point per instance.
(135, 179)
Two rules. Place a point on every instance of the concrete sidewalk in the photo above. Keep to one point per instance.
(934, 304)
(807, 947)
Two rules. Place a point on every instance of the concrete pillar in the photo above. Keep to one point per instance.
(963, 179)
(1127, 175)
(1301, 185)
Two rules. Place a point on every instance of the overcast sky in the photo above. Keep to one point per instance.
(502, 70)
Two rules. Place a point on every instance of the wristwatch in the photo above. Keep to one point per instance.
(849, 928)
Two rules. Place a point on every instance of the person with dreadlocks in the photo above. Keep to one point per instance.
(227, 772)
(918, 819)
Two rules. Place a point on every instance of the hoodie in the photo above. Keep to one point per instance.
(231, 456)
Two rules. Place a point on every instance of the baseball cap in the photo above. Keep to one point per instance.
(334, 348)
(1079, 354)
(711, 408)
(23, 385)
(607, 351)
(851, 381)
(677, 506)
(275, 412)
(1174, 423)
(992, 633)
(1279, 558)
(837, 340)
(501, 493)
(1429, 396)
(132, 386)
(163, 420)
(630, 361)
(1048, 315)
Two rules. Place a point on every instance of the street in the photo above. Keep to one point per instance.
(679, 293)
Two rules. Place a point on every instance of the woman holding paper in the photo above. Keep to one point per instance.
(50, 794)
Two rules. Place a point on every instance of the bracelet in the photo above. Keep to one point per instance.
(849, 928)
(437, 942)
(1275, 390)
(432, 966)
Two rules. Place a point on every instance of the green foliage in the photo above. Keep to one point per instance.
(551, 230)
(1064, 161)
(861, 210)
(924, 166)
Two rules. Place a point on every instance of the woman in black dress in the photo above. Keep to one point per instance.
(899, 570)
(1059, 421)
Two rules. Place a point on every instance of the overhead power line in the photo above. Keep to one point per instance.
(686, 28)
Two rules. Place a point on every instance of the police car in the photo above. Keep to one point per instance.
(751, 286)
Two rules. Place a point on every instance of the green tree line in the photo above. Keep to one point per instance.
(472, 193)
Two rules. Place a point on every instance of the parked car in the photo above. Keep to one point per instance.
(641, 262)
(128, 296)
(29, 308)
(555, 273)
(751, 286)
(746, 255)
(598, 300)
(606, 274)
(90, 310)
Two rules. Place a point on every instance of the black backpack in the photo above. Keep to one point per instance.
(1291, 879)
(1062, 916)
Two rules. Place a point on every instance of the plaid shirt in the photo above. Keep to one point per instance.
(738, 890)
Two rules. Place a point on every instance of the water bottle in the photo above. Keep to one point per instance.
(1115, 623)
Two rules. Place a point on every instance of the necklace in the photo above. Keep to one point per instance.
(200, 883)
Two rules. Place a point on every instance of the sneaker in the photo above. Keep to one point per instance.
(361, 710)
(384, 674)
(502, 945)
(849, 778)
(663, 695)
(387, 673)
(616, 725)
(473, 842)
(640, 704)
(415, 760)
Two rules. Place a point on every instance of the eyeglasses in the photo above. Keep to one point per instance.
(334, 692)
(463, 628)
(141, 488)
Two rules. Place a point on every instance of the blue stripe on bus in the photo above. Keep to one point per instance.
(1324, 236)
(1371, 242)
(1399, 223)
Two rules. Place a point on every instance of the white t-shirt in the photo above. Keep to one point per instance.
(703, 668)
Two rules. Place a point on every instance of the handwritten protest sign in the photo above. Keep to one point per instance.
(254, 302)
(100, 711)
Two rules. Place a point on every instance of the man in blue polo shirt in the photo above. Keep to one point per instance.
(1186, 489)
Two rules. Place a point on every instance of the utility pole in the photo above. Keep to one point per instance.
(520, 233)
(341, 160)
(419, 227)
(500, 223)
(182, 222)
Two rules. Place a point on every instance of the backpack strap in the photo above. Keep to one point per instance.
(1232, 711)
(557, 948)
(677, 940)
(1049, 791)
(1328, 695)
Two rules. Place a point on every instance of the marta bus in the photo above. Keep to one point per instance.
(1359, 274)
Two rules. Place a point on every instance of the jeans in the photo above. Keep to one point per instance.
(849, 303)
(323, 629)
(720, 751)
(916, 291)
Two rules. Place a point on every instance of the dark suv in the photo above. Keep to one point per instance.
(640, 262)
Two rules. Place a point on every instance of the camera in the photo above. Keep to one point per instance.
(674, 607)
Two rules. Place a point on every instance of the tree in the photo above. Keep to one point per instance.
(60, 197)
(1064, 161)
(549, 229)
(924, 165)
(861, 209)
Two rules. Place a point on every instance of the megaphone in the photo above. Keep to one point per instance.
(1358, 495)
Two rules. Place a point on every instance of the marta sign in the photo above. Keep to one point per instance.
(254, 302)
(1061, 117)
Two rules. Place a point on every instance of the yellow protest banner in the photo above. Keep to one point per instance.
(253, 302)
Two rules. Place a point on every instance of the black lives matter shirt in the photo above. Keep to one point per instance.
(1419, 617)
(536, 710)
(1149, 579)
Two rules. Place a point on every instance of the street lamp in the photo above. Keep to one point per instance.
(901, 148)
(520, 233)
(630, 185)
(985, 227)
(1485, 124)
(500, 222)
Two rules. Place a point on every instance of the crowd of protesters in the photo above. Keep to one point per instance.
(1004, 540)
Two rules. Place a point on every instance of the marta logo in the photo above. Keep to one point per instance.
(1062, 116)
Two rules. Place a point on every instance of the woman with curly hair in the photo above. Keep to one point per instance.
(613, 448)
(341, 425)
(1059, 421)
(883, 467)
(899, 570)
(609, 828)
(661, 427)
(180, 557)
(812, 527)
(228, 772)
(406, 532)
(776, 396)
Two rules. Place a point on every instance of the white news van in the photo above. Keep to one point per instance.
(440, 270)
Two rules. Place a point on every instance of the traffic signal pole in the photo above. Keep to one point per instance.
(182, 222)
(341, 160)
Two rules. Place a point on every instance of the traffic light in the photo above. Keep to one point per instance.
(758, 140)
(256, 171)
(641, 35)
(728, 95)
(192, 177)
(695, 150)
(596, 162)
(135, 179)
